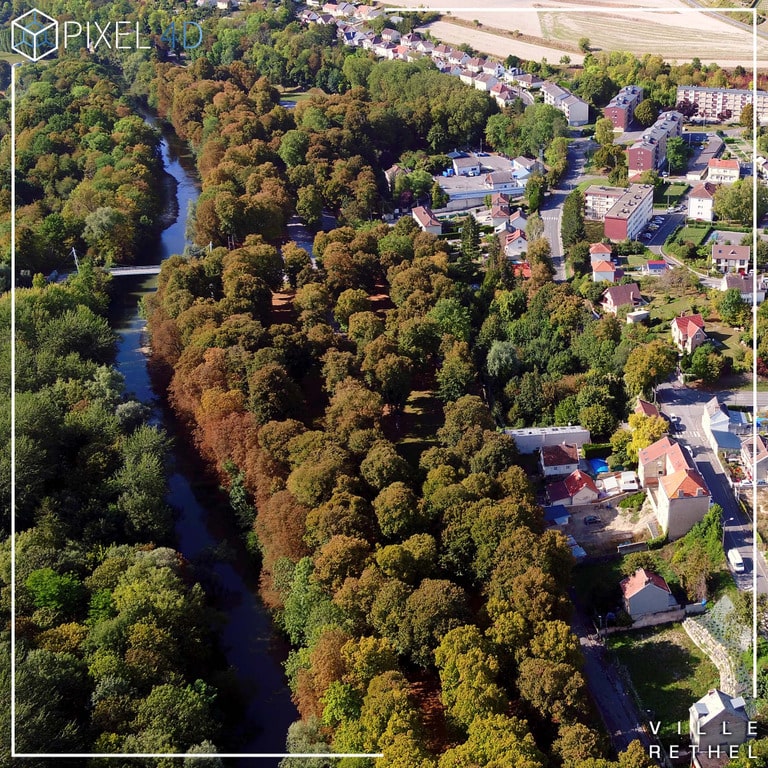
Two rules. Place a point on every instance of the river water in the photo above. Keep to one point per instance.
(248, 640)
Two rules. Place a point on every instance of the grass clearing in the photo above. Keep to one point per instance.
(696, 235)
(420, 420)
(670, 194)
(678, 675)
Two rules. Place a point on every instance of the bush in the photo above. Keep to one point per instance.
(596, 450)
(635, 501)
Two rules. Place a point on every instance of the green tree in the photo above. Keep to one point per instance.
(746, 116)
(457, 373)
(732, 308)
(706, 363)
(572, 221)
(646, 112)
(677, 154)
(349, 302)
(535, 188)
(604, 132)
(470, 238)
(647, 366)
(439, 198)
(584, 45)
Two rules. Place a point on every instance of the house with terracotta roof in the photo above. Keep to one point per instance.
(682, 501)
(521, 269)
(577, 488)
(644, 408)
(678, 493)
(627, 295)
(688, 332)
(500, 211)
(514, 243)
(718, 725)
(723, 171)
(758, 469)
(600, 252)
(731, 258)
(663, 457)
(701, 200)
(560, 459)
(426, 219)
(645, 592)
(604, 271)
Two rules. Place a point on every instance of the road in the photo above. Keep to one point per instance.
(687, 405)
(553, 205)
(620, 715)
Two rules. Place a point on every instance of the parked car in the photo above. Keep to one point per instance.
(592, 520)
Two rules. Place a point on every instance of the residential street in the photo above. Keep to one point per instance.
(621, 717)
(686, 406)
(553, 205)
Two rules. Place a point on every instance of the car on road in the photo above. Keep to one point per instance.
(592, 520)
(689, 451)
(734, 558)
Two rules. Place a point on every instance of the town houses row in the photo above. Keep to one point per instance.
(485, 74)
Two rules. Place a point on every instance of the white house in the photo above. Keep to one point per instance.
(426, 219)
(718, 725)
(577, 488)
(467, 166)
(701, 202)
(560, 459)
(645, 592)
(514, 244)
(731, 258)
(723, 171)
(688, 332)
(745, 287)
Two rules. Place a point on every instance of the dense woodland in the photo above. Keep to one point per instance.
(402, 553)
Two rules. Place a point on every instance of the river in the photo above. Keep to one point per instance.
(248, 639)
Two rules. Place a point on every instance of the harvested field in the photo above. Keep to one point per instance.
(681, 34)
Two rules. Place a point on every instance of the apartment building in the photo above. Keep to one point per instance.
(621, 108)
(626, 212)
(701, 202)
(723, 171)
(575, 109)
(717, 103)
(649, 152)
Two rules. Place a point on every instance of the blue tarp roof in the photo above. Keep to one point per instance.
(727, 441)
(555, 512)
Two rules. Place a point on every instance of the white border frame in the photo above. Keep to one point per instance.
(15, 67)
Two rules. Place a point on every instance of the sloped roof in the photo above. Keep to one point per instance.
(578, 480)
(600, 248)
(646, 409)
(603, 266)
(716, 702)
(762, 448)
(684, 483)
(705, 191)
(622, 294)
(559, 455)
(716, 162)
(639, 580)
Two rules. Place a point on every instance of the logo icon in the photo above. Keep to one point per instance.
(35, 35)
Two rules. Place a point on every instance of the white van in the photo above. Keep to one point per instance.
(734, 558)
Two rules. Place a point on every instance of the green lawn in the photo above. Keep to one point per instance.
(668, 672)
(671, 192)
(595, 230)
(696, 235)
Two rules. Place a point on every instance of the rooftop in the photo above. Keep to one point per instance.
(639, 580)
